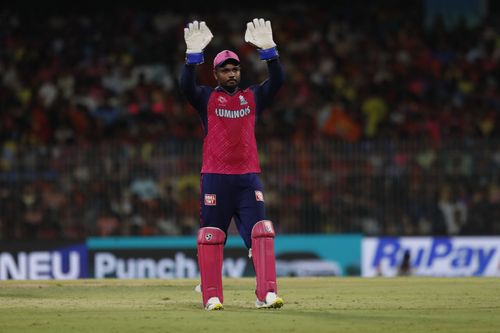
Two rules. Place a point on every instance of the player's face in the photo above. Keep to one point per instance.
(228, 76)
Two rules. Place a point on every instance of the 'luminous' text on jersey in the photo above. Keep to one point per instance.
(232, 113)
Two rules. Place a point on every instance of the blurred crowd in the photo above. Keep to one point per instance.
(382, 188)
(363, 75)
(96, 138)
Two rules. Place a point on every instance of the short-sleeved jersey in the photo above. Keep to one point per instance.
(229, 120)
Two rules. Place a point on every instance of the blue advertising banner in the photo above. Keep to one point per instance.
(38, 260)
(173, 257)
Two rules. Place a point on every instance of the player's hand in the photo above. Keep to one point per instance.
(260, 34)
(197, 36)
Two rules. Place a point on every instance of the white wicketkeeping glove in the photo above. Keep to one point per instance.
(260, 34)
(197, 36)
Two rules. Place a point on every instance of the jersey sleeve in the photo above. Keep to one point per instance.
(265, 92)
(197, 95)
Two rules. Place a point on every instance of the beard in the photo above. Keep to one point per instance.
(230, 85)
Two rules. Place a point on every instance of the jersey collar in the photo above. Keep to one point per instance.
(220, 89)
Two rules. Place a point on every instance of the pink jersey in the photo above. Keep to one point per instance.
(229, 120)
(229, 146)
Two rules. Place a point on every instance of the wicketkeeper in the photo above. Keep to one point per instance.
(230, 185)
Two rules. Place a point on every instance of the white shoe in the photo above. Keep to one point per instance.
(272, 302)
(213, 304)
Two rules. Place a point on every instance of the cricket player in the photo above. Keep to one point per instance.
(230, 185)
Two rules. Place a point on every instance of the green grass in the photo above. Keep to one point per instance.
(311, 305)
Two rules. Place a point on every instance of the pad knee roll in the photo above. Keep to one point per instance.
(210, 256)
(263, 258)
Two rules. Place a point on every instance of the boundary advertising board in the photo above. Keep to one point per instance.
(172, 257)
(432, 256)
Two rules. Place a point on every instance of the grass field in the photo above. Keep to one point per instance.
(311, 305)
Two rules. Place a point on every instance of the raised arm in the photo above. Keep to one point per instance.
(259, 33)
(197, 35)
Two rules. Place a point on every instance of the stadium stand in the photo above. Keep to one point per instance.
(388, 122)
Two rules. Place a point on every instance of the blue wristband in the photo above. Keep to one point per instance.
(268, 54)
(194, 58)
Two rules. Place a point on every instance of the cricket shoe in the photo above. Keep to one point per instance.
(272, 301)
(213, 304)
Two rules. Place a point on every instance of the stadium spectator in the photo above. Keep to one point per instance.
(85, 97)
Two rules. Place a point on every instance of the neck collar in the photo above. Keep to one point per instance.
(219, 88)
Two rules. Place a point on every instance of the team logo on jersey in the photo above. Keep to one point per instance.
(222, 100)
(210, 200)
(259, 196)
(243, 101)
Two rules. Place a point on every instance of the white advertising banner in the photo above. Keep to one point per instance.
(432, 256)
